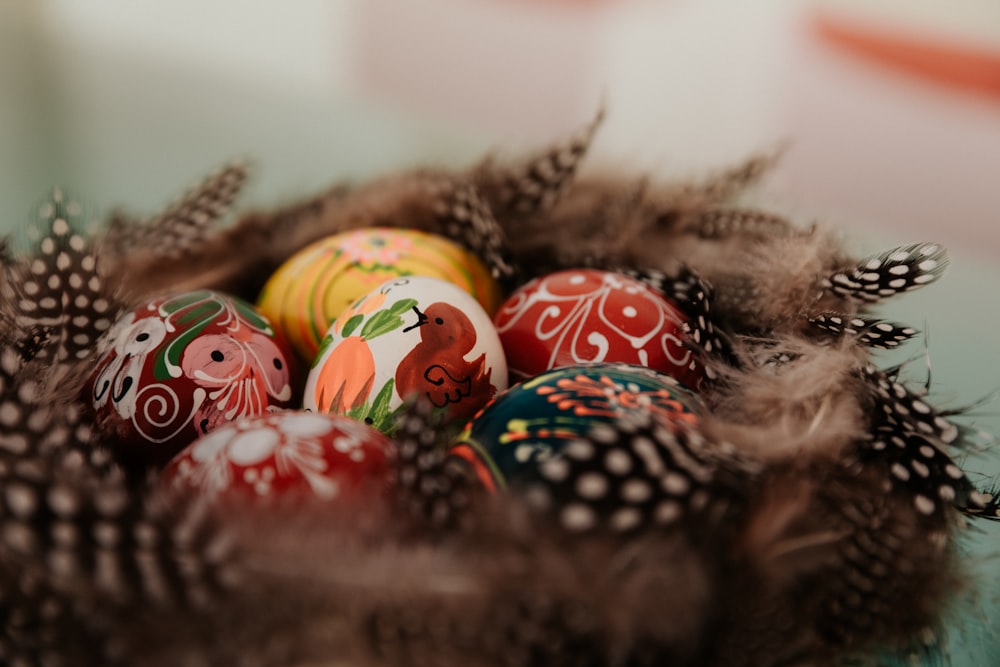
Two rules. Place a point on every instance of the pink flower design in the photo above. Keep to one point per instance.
(238, 373)
(383, 247)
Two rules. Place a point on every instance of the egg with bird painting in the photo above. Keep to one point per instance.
(411, 337)
(312, 287)
(173, 369)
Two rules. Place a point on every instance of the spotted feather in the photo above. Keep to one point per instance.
(466, 218)
(922, 470)
(37, 290)
(867, 331)
(722, 187)
(634, 474)
(988, 506)
(911, 438)
(865, 597)
(720, 224)
(431, 487)
(895, 271)
(694, 297)
(60, 301)
(90, 544)
(33, 425)
(906, 412)
(38, 625)
(538, 185)
(184, 225)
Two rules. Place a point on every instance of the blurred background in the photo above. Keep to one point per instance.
(889, 111)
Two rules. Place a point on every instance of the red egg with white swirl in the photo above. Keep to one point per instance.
(284, 455)
(590, 316)
(173, 369)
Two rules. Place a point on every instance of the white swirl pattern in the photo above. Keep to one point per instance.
(567, 317)
(263, 449)
(162, 419)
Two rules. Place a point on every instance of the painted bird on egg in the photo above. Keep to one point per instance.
(315, 285)
(413, 336)
(175, 368)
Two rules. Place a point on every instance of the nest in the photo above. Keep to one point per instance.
(824, 530)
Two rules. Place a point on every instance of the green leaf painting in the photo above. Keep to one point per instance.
(195, 311)
(323, 347)
(200, 309)
(377, 412)
(384, 321)
(351, 325)
(252, 317)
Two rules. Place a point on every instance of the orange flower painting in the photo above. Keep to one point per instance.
(347, 376)
(590, 397)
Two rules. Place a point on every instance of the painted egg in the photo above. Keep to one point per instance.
(177, 367)
(410, 336)
(591, 316)
(284, 454)
(311, 289)
(534, 421)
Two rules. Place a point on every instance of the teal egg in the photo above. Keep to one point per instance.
(523, 429)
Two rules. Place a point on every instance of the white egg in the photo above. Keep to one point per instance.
(410, 336)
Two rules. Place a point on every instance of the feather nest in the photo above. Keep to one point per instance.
(803, 543)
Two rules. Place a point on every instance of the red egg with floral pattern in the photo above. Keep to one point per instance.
(589, 316)
(177, 367)
(285, 455)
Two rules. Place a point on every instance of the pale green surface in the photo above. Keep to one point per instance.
(136, 132)
(122, 133)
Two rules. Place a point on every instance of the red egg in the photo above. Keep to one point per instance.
(177, 367)
(284, 454)
(590, 316)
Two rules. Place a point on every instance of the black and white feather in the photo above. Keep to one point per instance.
(78, 546)
(918, 467)
(466, 218)
(867, 331)
(989, 502)
(537, 185)
(431, 488)
(179, 229)
(60, 304)
(895, 271)
(693, 296)
(899, 408)
(911, 440)
(637, 473)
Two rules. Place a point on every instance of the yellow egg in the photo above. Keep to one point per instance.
(308, 291)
